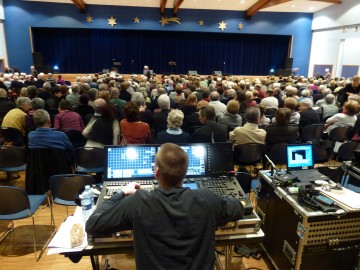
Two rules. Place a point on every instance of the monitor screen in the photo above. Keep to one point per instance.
(197, 157)
(130, 162)
(299, 156)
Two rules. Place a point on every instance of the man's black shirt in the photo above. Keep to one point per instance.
(173, 228)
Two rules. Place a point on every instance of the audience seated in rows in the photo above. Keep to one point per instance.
(46, 137)
(67, 118)
(346, 118)
(282, 131)
(174, 134)
(103, 128)
(211, 131)
(231, 117)
(250, 132)
(15, 118)
(133, 131)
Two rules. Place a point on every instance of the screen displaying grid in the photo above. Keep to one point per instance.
(196, 154)
(130, 162)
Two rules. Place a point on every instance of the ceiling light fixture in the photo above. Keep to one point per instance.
(293, 6)
(311, 8)
(242, 2)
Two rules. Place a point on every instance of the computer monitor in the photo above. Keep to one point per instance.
(130, 162)
(197, 158)
(299, 156)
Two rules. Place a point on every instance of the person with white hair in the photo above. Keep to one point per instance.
(160, 118)
(145, 114)
(33, 72)
(74, 97)
(220, 108)
(308, 116)
(329, 108)
(15, 118)
(174, 134)
(322, 101)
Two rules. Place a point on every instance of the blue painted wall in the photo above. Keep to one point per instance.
(21, 15)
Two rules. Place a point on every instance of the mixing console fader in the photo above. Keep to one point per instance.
(224, 186)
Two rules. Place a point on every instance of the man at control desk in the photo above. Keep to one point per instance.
(174, 227)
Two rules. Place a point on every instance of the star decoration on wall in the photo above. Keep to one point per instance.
(136, 20)
(240, 26)
(222, 26)
(112, 21)
(89, 19)
(201, 22)
(165, 20)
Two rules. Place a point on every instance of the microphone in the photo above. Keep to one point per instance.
(273, 167)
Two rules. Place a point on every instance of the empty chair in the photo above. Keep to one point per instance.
(248, 154)
(12, 135)
(346, 151)
(75, 137)
(339, 134)
(320, 154)
(43, 163)
(312, 132)
(89, 160)
(12, 159)
(277, 153)
(270, 113)
(16, 204)
(65, 187)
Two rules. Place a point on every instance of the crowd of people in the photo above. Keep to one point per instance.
(114, 109)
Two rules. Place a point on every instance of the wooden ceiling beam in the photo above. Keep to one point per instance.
(80, 4)
(256, 7)
(338, 2)
(274, 3)
(162, 6)
(177, 4)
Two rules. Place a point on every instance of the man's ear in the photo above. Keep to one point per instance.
(157, 172)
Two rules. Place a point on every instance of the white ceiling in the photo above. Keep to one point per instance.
(240, 5)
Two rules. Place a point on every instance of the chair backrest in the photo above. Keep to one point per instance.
(12, 157)
(12, 135)
(249, 153)
(270, 112)
(43, 163)
(277, 153)
(75, 137)
(66, 186)
(244, 180)
(13, 200)
(312, 132)
(346, 151)
(320, 154)
(339, 134)
(89, 157)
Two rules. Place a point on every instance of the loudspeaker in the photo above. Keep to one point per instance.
(288, 63)
(283, 72)
(42, 68)
(192, 72)
(217, 73)
(38, 59)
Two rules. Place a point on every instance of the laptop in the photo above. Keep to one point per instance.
(300, 163)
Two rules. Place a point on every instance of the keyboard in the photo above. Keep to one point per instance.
(309, 175)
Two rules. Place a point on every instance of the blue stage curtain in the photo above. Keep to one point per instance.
(91, 50)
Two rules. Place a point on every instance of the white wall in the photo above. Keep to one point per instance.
(328, 33)
(3, 52)
(347, 13)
